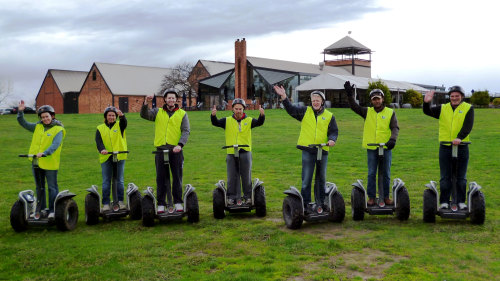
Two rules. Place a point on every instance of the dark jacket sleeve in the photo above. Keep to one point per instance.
(148, 114)
(296, 112)
(123, 124)
(185, 130)
(258, 122)
(434, 111)
(394, 126)
(98, 141)
(333, 130)
(467, 126)
(361, 111)
(218, 122)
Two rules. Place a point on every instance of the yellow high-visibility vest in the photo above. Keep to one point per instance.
(168, 128)
(41, 141)
(314, 130)
(113, 141)
(377, 129)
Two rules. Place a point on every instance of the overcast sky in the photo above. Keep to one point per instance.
(431, 42)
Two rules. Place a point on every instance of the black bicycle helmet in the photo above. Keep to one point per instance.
(170, 90)
(239, 101)
(376, 93)
(46, 108)
(456, 89)
(108, 109)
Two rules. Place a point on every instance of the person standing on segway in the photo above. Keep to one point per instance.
(48, 136)
(456, 119)
(171, 133)
(381, 126)
(318, 125)
(238, 130)
(110, 136)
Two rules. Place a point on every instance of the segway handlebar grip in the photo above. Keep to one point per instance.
(120, 152)
(317, 145)
(461, 143)
(235, 146)
(160, 151)
(30, 155)
(376, 144)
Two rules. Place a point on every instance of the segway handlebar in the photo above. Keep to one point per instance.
(160, 151)
(376, 144)
(317, 145)
(235, 146)
(319, 154)
(450, 142)
(30, 155)
(454, 148)
(119, 152)
(380, 147)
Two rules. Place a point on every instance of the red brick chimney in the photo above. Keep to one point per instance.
(240, 69)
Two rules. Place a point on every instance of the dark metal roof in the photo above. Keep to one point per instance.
(216, 80)
(346, 45)
(273, 77)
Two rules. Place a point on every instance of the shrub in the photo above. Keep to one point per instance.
(379, 85)
(413, 97)
(481, 98)
(496, 102)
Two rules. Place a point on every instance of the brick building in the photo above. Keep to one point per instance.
(60, 89)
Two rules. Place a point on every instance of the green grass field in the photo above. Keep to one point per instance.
(242, 246)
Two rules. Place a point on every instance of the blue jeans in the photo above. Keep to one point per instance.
(372, 172)
(51, 176)
(445, 165)
(308, 164)
(107, 175)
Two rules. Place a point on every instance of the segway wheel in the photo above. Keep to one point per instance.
(135, 205)
(91, 209)
(478, 209)
(17, 219)
(260, 201)
(148, 211)
(218, 204)
(66, 214)
(430, 206)
(357, 204)
(193, 210)
(337, 214)
(292, 212)
(403, 204)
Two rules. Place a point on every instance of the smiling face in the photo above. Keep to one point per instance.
(455, 98)
(111, 117)
(170, 99)
(238, 111)
(377, 101)
(316, 102)
(46, 118)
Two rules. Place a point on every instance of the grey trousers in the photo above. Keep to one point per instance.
(239, 173)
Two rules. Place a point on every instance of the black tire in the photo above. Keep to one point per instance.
(66, 214)
(193, 210)
(260, 201)
(17, 219)
(337, 214)
(403, 207)
(357, 204)
(478, 208)
(430, 206)
(148, 211)
(92, 209)
(292, 212)
(135, 203)
(218, 201)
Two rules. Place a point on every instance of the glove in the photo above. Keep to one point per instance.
(349, 89)
(390, 144)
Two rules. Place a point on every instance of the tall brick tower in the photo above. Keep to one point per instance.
(240, 69)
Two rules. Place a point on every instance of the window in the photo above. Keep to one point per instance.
(94, 75)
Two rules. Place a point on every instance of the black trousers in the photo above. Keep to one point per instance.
(163, 187)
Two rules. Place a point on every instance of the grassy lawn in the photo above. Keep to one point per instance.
(242, 246)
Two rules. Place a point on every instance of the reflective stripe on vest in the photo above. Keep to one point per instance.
(238, 133)
(41, 141)
(451, 121)
(113, 141)
(377, 127)
(314, 130)
(168, 128)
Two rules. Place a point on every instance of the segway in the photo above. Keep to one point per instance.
(333, 209)
(401, 205)
(221, 203)
(27, 210)
(93, 208)
(475, 197)
(150, 208)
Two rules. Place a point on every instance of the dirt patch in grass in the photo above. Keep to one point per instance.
(334, 231)
(366, 264)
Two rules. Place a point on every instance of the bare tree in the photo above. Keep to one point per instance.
(5, 91)
(178, 79)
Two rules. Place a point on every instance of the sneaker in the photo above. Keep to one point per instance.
(161, 209)
(462, 206)
(178, 207)
(371, 202)
(388, 201)
(51, 216)
(122, 205)
(106, 208)
(230, 201)
(444, 206)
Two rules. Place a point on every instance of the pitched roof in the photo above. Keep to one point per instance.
(295, 67)
(216, 67)
(216, 80)
(68, 80)
(346, 45)
(132, 80)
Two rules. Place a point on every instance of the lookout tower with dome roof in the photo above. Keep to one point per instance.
(350, 55)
